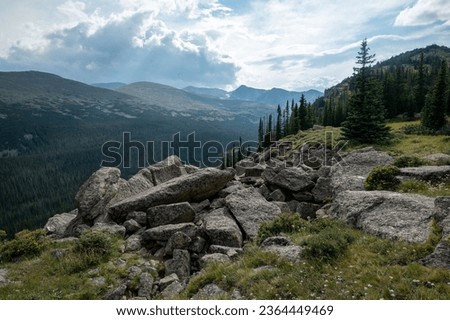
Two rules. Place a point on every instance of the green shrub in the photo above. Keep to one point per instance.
(284, 223)
(417, 129)
(2, 235)
(382, 178)
(26, 243)
(409, 161)
(327, 245)
(94, 242)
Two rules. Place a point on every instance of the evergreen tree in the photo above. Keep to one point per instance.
(435, 107)
(420, 91)
(278, 125)
(287, 130)
(365, 120)
(260, 133)
(303, 114)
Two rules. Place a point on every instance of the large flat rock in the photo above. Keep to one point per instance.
(251, 209)
(194, 187)
(427, 173)
(390, 215)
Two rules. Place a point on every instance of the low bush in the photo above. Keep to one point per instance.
(25, 244)
(383, 178)
(93, 242)
(328, 244)
(284, 223)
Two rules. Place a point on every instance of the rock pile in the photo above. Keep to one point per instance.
(187, 217)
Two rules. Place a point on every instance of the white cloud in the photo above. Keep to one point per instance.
(286, 43)
(425, 12)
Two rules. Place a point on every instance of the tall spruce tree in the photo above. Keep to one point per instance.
(433, 115)
(365, 120)
(303, 114)
(420, 90)
(278, 125)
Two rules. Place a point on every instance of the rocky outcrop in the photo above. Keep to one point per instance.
(441, 255)
(194, 187)
(391, 215)
(434, 174)
(222, 229)
(350, 173)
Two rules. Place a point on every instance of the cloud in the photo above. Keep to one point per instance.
(126, 47)
(425, 12)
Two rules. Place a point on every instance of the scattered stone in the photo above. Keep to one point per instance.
(251, 210)
(114, 229)
(255, 171)
(168, 280)
(303, 196)
(284, 207)
(209, 292)
(170, 214)
(264, 191)
(117, 293)
(133, 243)
(229, 251)
(178, 240)
(163, 233)
(145, 285)
(214, 258)
(197, 245)
(132, 226)
(236, 295)
(222, 229)
(180, 264)
(98, 281)
(198, 207)
(172, 290)
(58, 253)
(217, 203)
(391, 215)
(277, 195)
(283, 247)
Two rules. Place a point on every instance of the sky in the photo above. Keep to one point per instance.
(290, 44)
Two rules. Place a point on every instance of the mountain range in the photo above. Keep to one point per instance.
(52, 131)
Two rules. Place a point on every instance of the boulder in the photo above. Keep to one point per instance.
(178, 240)
(277, 195)
(293, 179)
(214, 258)
(438, 157)
(172, 290)
(180, 264)
(222, 229)
(396, 216)
(242, 165)
(322, 190)
(433, 174)
(114, 229)
(351, 172)
(58, 224)
(95, 194)
(209, 292)
(250, 209)
(170, 214)
(163, 233)
(168, 280)
(133, 243)
(307, 210)
(117, 293)
(138, 183)
(145, 285)
(303, 196)
(132, 226)
(229, 251)
(255, 171)
(264, 191)
(282, 247)
(284, 207)
(196, 187)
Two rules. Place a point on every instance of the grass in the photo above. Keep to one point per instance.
(67, 277)
(425, 188)
(370, 268)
